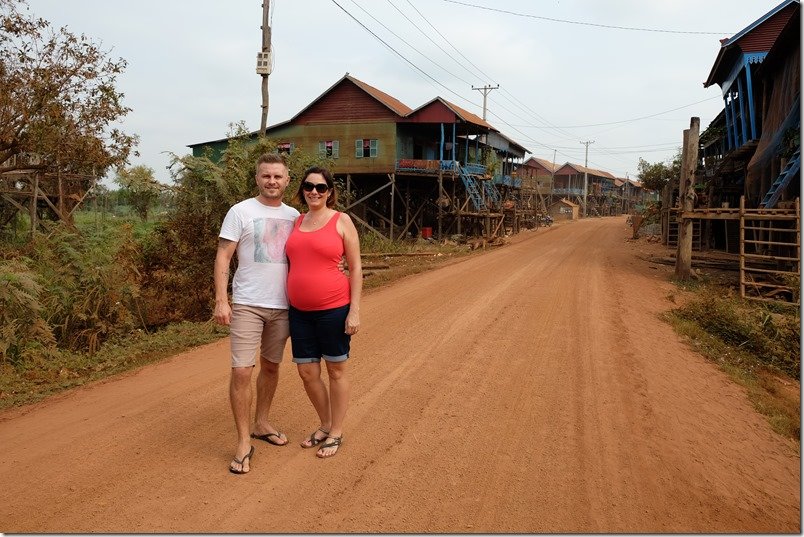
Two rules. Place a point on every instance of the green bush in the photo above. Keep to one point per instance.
(22, 330)
(83, 290)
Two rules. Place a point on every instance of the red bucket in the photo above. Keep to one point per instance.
(427, 232)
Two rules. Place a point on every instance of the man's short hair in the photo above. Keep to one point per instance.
(270, 158)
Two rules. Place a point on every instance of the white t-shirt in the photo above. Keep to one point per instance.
(262, 268)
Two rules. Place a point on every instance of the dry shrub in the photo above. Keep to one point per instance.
(89, 287)
(773, 339)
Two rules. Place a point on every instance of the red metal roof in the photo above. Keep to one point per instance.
(548, 166)
(394, 104)
(464, 115)
(759, 36)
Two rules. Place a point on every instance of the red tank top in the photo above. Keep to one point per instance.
(314, 281)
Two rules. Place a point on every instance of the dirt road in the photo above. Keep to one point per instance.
(528, 389)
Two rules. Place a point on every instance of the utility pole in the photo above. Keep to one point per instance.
(586, 174)
(485, 90)
(264, 62)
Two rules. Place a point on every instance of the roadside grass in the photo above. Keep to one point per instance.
(39, 378)
(405, 259)
(49, 373)
(757, 345)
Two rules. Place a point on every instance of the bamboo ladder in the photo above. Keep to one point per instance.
(770, 230)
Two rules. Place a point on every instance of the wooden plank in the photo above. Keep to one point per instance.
(774, 243)
(768, 271)
(685, 230)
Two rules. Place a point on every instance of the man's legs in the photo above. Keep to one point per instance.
(267, 380)
(274, 335)
(240, 399)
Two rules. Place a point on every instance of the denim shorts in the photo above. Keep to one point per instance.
(319, 334)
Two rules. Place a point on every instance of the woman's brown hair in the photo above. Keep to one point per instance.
(327, 175)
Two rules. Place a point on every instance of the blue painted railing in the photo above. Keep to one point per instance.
(475, 169)
(472, 190)
(568, 191)
(507, 180)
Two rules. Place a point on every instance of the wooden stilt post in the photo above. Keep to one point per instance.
(742, 246)
(438, 200)
(457, 207)
(391, 227)
(34, 203)
(61, 195)
(689, 161)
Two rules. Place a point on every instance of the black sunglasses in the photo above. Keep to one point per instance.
(319, 187)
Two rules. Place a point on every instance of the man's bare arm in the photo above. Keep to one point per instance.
(223, 259)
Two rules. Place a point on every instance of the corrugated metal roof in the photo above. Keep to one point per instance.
(465, 115)
(394, 104)
(547, 165)
(514, 143)
(755, 41)
(577, 168)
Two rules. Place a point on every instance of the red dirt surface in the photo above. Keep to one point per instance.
(531, 388)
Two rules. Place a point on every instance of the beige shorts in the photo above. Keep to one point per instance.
(255, 328)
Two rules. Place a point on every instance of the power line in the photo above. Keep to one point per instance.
(422, 54)
(392, 49)
(633, 119)
(449, 43)
(452, 92)
(431, 40)
(485, 90)
(612, 27)
(522, 106)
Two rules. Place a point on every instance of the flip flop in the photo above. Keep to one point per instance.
(315, 441)
(241, 461)
(332, 441)
(267, 437)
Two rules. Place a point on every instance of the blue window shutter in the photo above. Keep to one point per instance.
(359, 148)
(336, 148)
(322, 149)
(373, 150)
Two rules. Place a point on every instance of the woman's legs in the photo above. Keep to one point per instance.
(338, 402)
(310, 374)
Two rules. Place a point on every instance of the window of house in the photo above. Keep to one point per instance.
(366, 148)
(285, 147)
(329, 148)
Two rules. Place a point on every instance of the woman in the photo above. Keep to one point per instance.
(324, 307)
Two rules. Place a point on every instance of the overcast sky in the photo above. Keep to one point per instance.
(581, 76)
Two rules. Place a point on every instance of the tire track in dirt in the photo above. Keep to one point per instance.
(528, 389)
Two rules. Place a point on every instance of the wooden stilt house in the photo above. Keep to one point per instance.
(407, 172)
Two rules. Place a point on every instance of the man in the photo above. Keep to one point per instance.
(257, 229)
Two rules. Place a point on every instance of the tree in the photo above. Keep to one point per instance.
(655, 176)
(139, 188)
(178, 255)
(57, 98)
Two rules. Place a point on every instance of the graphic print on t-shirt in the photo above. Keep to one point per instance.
(270, 236)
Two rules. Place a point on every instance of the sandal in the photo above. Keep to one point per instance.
(313, 441)
(269, 437)
(332, 441)
(241, 461)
